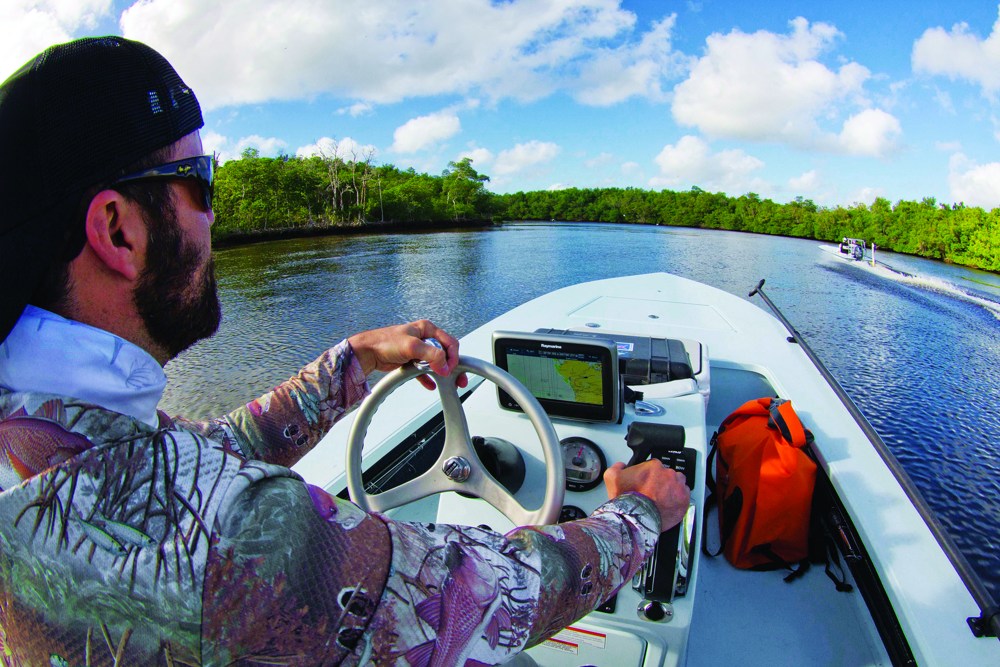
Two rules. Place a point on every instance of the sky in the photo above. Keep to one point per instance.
(835, 102)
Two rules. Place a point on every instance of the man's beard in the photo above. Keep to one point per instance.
(178, 307)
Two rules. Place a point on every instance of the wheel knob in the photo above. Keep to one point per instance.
(423, 365)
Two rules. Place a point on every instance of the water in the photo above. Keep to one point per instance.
(917, 348)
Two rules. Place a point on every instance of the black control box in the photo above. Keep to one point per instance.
(642, 359)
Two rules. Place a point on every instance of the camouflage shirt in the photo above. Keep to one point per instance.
(193, 543)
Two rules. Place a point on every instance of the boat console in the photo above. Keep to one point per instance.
(594, 388)
(583, 376)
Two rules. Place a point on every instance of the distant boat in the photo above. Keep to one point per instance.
(853, 250)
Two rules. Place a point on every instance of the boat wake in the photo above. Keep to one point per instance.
(930, 283)
(939, 285)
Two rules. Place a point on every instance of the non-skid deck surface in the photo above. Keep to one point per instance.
(756, 618)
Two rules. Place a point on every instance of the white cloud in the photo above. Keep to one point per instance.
(225, 149)
(358, 109)
(764, 85)
(807, 182)
(867, 195)
(872, 132)
(28, 26)
(216, 143)
(423, 132)
(769, 87)
(972, 183)
(269, 146)
(960, 54)
(948, 146)
(346, 149)
(480, 156)
(600, 160)
(691, 162)
(943, 98)
(259, 50)
(525, 155)
(631, 168)
(614, 74)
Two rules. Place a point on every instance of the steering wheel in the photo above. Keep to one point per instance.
(458, 468)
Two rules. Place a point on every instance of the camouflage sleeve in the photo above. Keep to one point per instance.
(293, 575)
(284, 424)
(294, 572)
(459, 593)
(586, 562)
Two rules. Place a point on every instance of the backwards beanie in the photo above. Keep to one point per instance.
(75, 115)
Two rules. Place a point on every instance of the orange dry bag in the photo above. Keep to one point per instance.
(764, 482)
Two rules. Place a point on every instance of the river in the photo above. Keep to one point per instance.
(917, 350)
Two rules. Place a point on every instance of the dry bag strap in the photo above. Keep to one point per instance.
(784, 420)
(710, 499)
(796, 570)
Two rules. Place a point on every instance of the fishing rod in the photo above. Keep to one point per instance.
(987, 624)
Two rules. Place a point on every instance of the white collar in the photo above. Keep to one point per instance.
(47, 353)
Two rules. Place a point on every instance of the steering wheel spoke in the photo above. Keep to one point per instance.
(499, 497)
(429, 483)
(457, 437)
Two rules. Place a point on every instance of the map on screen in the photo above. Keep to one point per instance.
(571, 378)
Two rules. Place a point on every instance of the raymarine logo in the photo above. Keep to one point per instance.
(550, 347)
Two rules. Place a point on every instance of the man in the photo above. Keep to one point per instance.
(128, 537)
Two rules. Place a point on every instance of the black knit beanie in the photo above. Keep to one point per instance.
(75, 115)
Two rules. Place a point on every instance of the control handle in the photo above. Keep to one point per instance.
(666, 573)
(652, 440)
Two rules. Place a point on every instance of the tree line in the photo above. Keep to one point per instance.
(259, 194)
(959, 234)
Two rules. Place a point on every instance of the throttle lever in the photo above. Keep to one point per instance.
(667, 571)
(649, 439)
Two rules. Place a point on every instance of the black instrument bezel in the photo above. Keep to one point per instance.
(555, 346)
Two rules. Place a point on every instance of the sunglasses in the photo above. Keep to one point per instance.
(200, 168)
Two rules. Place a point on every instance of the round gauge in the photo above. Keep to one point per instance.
(584, 463)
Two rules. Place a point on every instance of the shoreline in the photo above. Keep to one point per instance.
(246, 238)
(235, 239)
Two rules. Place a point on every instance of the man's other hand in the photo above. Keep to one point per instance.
(664, 486)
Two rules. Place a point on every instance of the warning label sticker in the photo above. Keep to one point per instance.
(581, 636)
(560, 645)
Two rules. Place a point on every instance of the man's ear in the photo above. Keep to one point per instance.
(116, 233)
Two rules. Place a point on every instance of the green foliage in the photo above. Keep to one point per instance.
(257, 193)
(962, 235)
(464, 190)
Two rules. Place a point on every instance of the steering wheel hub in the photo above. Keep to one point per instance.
(457, 468)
